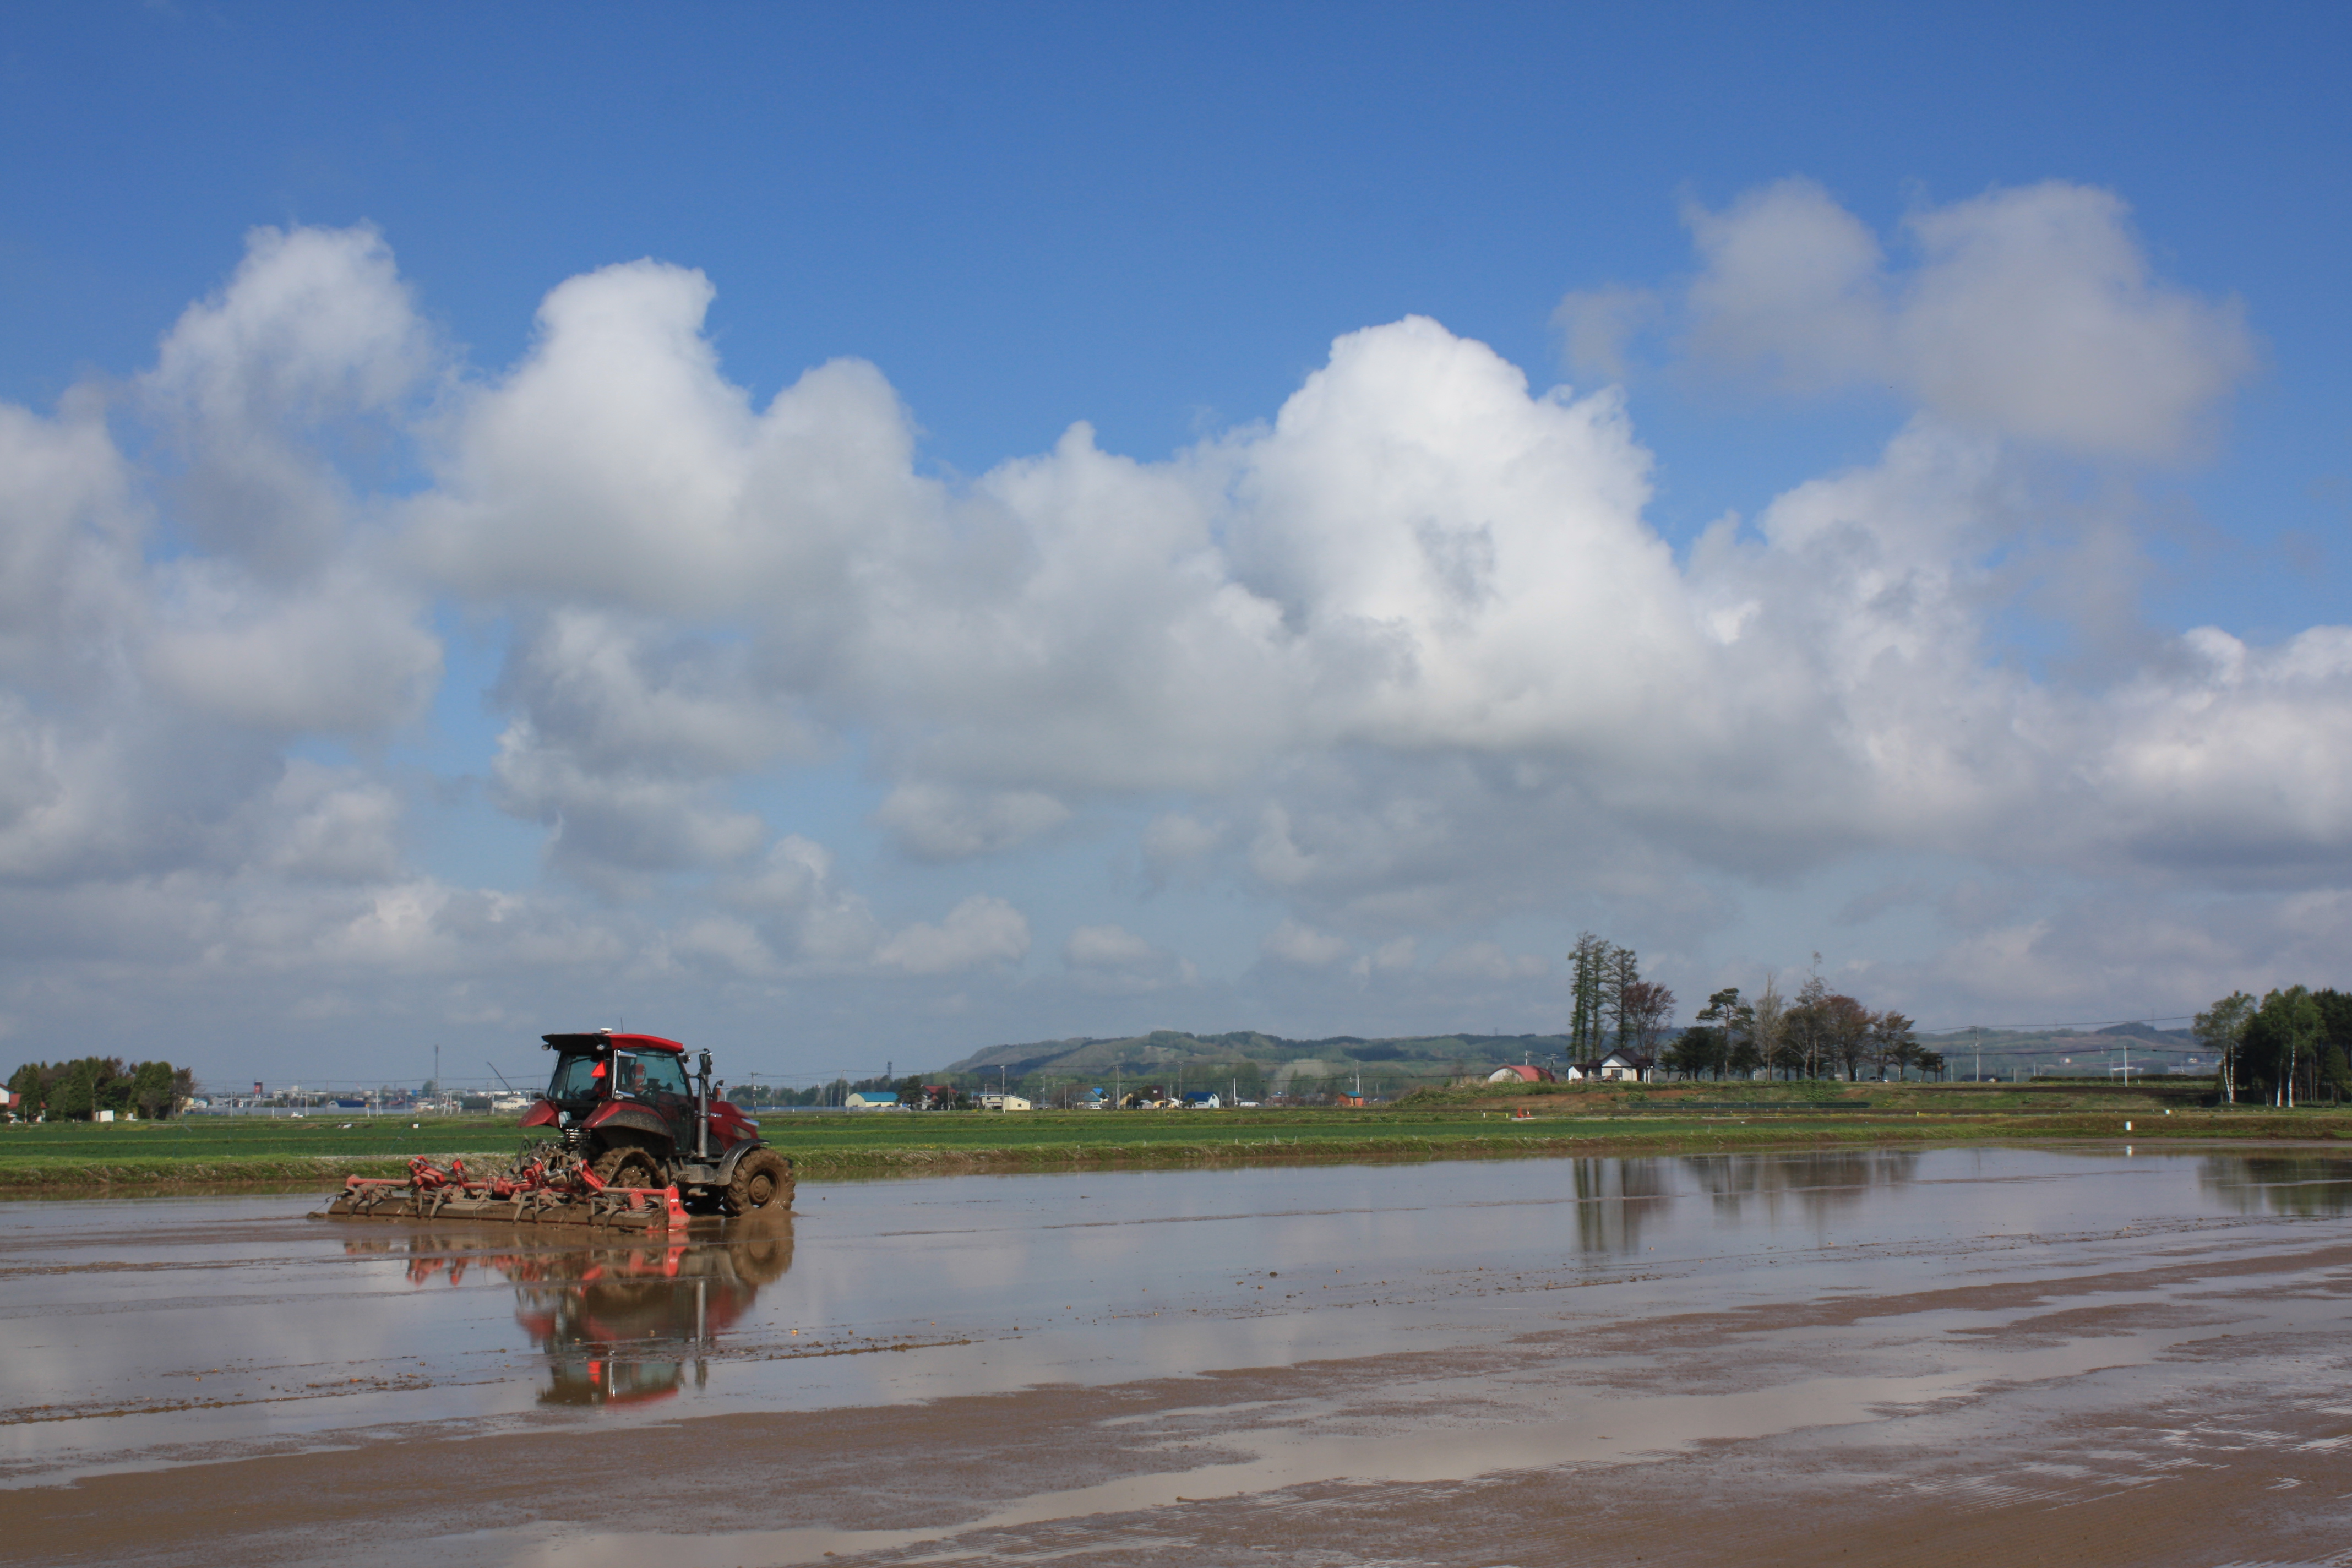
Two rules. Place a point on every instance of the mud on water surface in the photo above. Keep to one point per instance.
(1899, 1355)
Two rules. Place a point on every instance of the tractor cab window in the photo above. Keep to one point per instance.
(575, 1078)
(665, 1074)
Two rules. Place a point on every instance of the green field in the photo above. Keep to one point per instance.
(1455, 1123)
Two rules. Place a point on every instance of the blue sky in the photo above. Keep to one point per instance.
(1158, 221)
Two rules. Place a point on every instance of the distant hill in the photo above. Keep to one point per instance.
(2113, 1038)
(2078, 1051)
(2148, 1032)
(1265, 1062)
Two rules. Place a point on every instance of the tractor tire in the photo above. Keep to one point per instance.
(626, 1165)
(763, 1180)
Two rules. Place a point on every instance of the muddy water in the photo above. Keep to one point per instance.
(1490, 1362)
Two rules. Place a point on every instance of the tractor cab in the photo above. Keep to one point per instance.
(596, 1075)
(581, 1073)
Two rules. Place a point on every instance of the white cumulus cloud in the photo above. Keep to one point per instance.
(2029, 312)
(979, 931)
(1292, 942)
(1403, 662)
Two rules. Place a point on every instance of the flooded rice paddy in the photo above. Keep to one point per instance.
(1914, 1356)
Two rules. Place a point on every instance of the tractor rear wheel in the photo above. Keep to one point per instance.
(762, 1178)
(626, 1165)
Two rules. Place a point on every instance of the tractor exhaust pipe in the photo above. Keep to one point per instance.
(702, 1114)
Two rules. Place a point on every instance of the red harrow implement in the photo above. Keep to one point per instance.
(547, 1186)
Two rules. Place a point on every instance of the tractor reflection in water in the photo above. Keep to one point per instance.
(619, 1322)
(605, 1317)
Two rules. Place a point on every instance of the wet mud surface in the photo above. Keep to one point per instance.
(1898, 1357)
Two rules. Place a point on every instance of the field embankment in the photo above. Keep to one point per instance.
(1487, 1122)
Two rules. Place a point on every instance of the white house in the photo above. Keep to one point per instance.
(1628, 1067)
(989, 1099)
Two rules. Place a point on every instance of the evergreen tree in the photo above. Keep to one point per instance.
(1725, 1024)
(1588, 966)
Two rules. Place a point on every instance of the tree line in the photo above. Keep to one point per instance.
(77, 1090)
(1818, 1033)
(2293, 1042)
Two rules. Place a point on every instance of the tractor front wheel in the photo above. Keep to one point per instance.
(762, 1178)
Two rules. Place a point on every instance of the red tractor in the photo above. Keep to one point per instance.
(627, 1110)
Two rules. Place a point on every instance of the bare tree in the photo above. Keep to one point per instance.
(1645, 1006)
(1622, 973)
(1767, 1022)
(1806, 1029)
